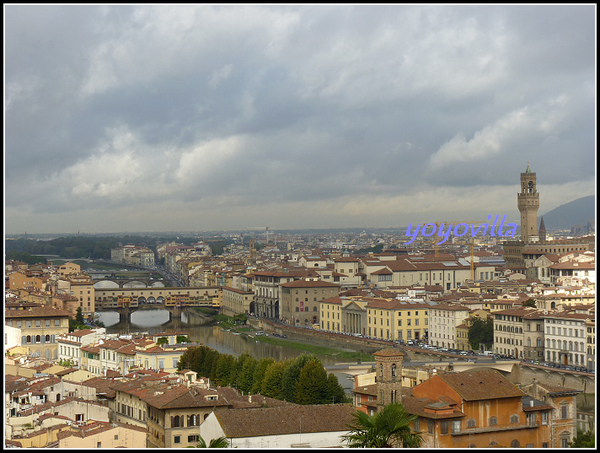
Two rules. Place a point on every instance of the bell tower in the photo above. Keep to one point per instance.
(388, 376)
(528, 201)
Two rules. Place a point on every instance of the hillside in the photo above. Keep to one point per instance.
(568, 215)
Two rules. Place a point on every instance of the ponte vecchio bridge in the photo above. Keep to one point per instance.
(173, 299)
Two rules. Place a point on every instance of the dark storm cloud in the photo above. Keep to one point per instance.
(352, 111)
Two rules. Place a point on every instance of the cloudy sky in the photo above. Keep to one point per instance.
(199, 117)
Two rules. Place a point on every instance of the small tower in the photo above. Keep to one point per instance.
(542, 230)
(388, 376)
(528, 201)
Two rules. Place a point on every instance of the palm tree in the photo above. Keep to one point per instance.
(219, 442)
(386, 429)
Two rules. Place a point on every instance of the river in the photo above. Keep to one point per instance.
(155, 321)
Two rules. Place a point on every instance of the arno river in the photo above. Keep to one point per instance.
(155, 321)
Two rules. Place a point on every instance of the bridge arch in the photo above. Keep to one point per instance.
(134, 284)
(106, 284)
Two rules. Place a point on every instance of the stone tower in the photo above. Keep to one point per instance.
(388, 376)
(542, 232)
(528, 201)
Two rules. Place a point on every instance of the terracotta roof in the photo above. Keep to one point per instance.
(309, 284)
(481, 385)
(273, 421)
(37, 312)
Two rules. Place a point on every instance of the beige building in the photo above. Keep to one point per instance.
(102, 435)
(443, 321)
(40, 326)
(533, 336)
(300, 300)
(590, 337)
(235, 301)
(508, 331)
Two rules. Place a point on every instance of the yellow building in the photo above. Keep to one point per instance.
(103, 435)
(397, 320)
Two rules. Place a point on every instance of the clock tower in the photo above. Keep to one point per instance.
(528, 201)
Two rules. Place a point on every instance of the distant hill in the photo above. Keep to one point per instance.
(576, 213)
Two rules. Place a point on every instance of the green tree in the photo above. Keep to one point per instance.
(219, 442)
(387, 428)
(312, 384)
(259, 373)
(271, 385)
(162, 340)
(246, 376)
(79, 316)
(224, 368)
(481, 332)
(291, 376)
(182, 339)
(335, 392)
(583, 440)
(530, 303)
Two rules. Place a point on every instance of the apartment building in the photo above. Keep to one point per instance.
(40, 326)
(398, 320)
(533, 336)
(347, 272)
(267, 290)
(300, 301)
(236, 301)
(590, 337)
(508, 331)
(69, 344)
(566, 338)
(443, 320)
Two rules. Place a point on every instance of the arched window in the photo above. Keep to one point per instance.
(47, 338)
(38, 339)
(471, 423)
(514, 419)
(393, 370)
(381, 369)
(515, 444)
(493, 421)
(175, 421)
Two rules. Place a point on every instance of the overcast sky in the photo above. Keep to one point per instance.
(196, 117)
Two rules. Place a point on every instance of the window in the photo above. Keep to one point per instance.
(471, 423)
(493, 421)
(515, 444)
(177, 439)
(444, 427)
(194, 438)
(430, 426)
(514, 419)
(99, 445)
(455, 426)
(116, 437)
(564, 411)
(544, 418)
(417, 426)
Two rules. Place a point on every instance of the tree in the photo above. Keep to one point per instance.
(271, 385)
(246, 375)
(79, 316)
(481, 332)
(259, 373)
(386, 429)
(312, 384)
(530, 303)
(162, 340)
(182, 339)
(335, 392)
(291, 376)
(583, 439)
(219, 442)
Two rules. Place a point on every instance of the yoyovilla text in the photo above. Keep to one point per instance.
(461, 229)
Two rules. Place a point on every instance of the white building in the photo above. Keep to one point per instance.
(443, 320)
(565, 337)
(69, 344)
(12, 337)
